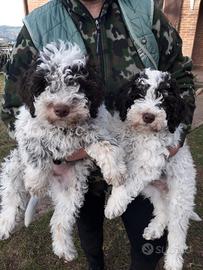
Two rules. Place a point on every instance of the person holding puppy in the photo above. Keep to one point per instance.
(120, 38)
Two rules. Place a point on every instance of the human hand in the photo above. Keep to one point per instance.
(77, 155)
(62, 169)
(160, 184)
(173, 150)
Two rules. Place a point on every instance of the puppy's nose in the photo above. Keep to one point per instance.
(148, 118)
(61, 110)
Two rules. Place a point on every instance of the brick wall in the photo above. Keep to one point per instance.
(173, 9)
(32, 4)
(197, 55)
(188, 25)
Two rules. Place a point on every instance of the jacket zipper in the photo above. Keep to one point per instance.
(98, 37)
(99, 48)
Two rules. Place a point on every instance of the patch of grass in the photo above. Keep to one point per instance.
(1, 82)
(194, 258)
(6, 143)
(195, 139)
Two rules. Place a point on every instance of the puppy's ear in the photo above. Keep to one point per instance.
(33, 83)
(93, 88)
(174, 105)
(121, 102)
(128, 94)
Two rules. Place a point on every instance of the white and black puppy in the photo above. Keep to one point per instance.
(61, 99)
(149, 116)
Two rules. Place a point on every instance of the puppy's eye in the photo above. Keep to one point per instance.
(159, 105)
(74, 101)
(69, 81)
(52, 90)
(129, 92)
(165, 93)
(143, 92)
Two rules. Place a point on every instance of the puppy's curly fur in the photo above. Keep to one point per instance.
(172, 102)
(62, 100)
(34, 82)
(149, 119)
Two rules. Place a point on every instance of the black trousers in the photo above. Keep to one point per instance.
(144, 254)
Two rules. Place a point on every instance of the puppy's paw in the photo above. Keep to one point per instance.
(153, 231)
(4, 235)
(117, 203)
(112, 212)
(173, 261)
(65, 252)
(5, 228)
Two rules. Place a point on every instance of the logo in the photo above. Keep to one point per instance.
(147, 249)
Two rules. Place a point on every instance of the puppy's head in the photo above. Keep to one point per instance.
(61, 88)
(151, 101)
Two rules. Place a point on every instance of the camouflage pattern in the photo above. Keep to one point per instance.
(22, 56)
(4, 56)
(111, 51)
(172, 60)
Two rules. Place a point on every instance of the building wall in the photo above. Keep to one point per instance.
(173, 9)
(32, 4)
(197, 55)
(188, 25)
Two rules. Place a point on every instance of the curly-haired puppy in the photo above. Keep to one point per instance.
(61, 100)
(149, 114)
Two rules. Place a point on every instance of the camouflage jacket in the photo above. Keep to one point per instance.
(111, 51)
